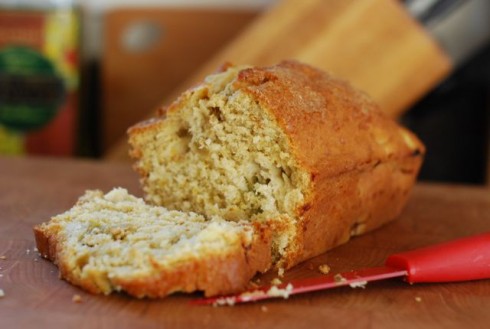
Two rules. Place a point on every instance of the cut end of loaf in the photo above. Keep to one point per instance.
(116, 242)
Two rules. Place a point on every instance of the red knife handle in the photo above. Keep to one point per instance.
(459, 260)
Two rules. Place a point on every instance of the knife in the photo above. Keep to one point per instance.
(464, 259)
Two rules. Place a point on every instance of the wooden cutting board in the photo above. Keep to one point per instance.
(374, 44)
(32, 190)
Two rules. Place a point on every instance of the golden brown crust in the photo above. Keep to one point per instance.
(46, 241)
(215, 274)
(332, 127)
(42, 242)
(352, 204)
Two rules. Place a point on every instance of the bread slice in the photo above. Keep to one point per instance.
(288, 146)
(116, 242)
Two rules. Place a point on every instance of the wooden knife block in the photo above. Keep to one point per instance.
(374, 44)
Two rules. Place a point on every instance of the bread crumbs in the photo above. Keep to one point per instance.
(3, 257)
(358, 284)
(339, 278)
(277, 292)
(418, 299)
(225, 301)
(324, 269)
(276, 281)
(264, 308)
(77, 299)
(2, 293)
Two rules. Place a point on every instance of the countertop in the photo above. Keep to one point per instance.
(34, 189)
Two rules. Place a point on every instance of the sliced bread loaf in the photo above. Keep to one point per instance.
(116, 242)
(259, 166)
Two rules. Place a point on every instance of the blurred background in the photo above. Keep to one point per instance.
(74, 75)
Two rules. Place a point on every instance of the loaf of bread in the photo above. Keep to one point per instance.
(286, 146)
(116, 242)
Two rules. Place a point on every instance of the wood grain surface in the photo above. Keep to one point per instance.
(32, 190)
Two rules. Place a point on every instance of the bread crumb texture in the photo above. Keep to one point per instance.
(116, 242)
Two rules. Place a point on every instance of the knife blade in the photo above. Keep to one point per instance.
(461, 27)
(463, 259)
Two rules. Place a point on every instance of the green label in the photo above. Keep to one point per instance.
(31, 91)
